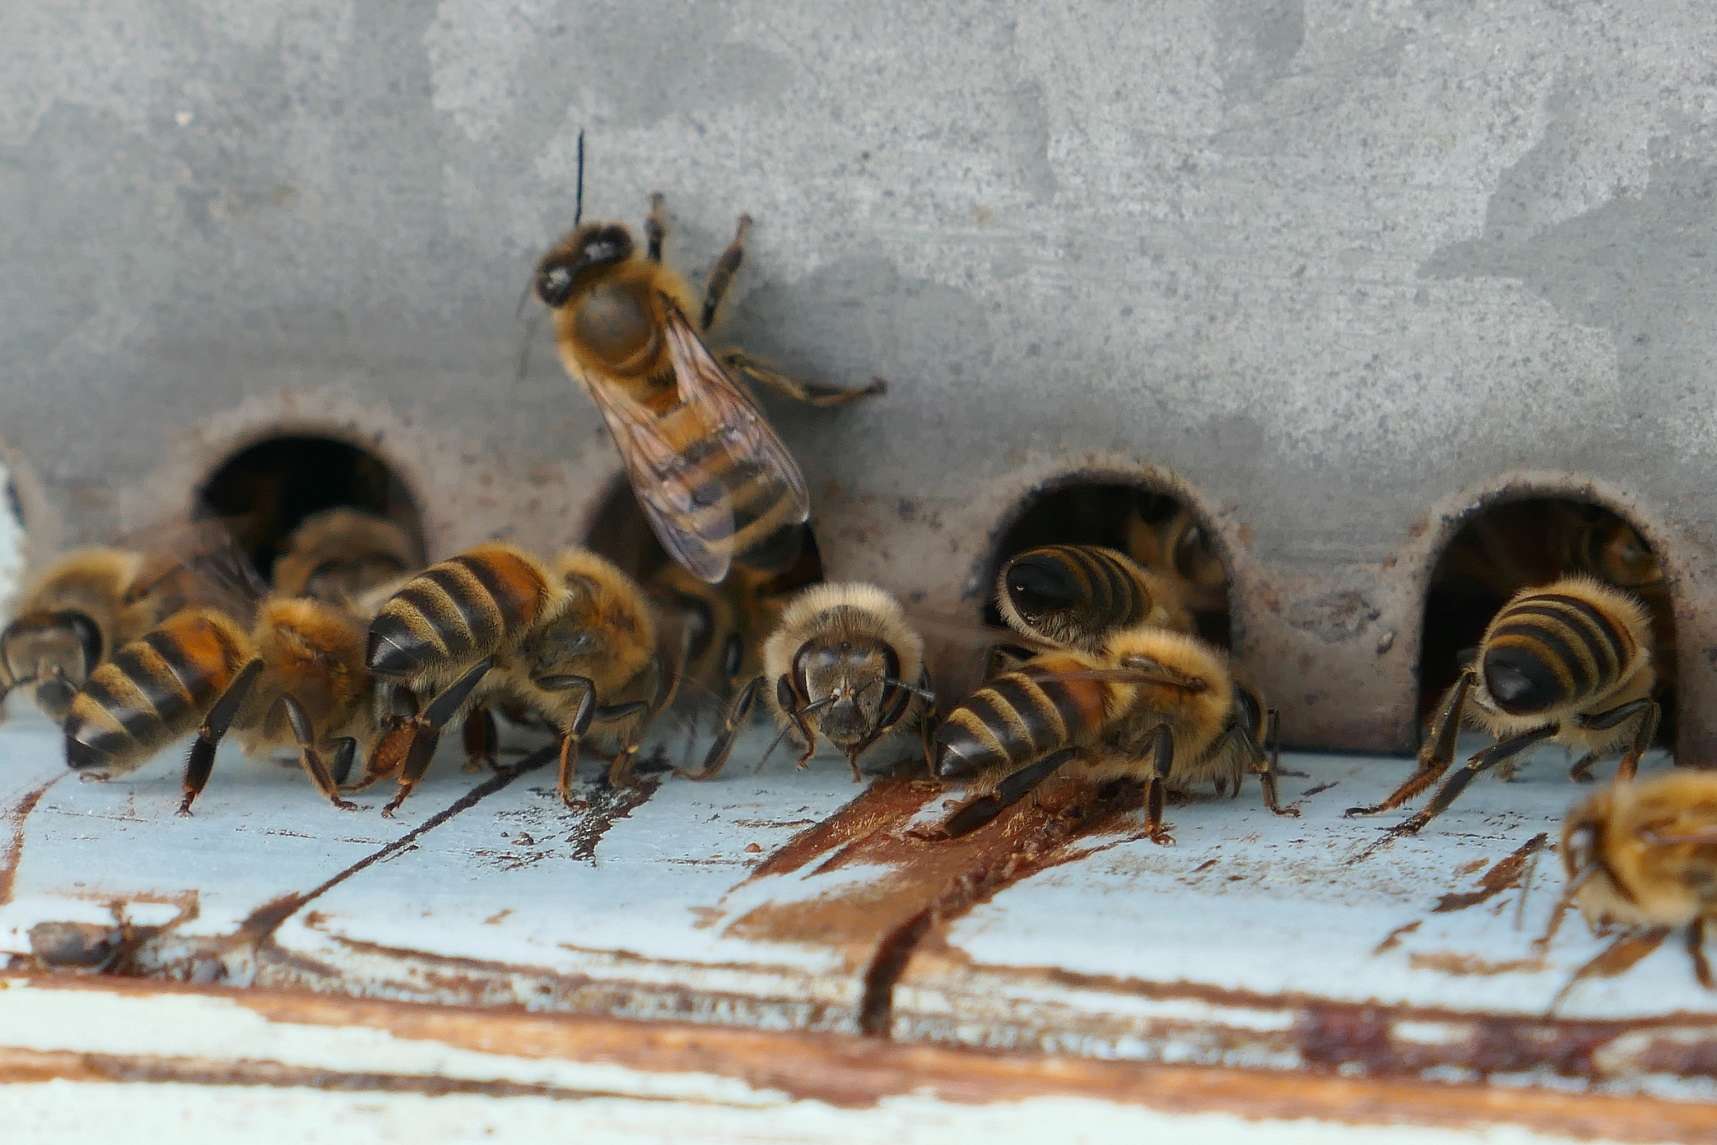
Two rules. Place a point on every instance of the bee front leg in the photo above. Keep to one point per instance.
(620, 767)
(733, 719)
(721, 274)
(1162, 762)
(215, 724)
(308, 756)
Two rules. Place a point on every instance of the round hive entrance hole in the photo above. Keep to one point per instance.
(1504, 547)
(1156, 528)
(267, 489)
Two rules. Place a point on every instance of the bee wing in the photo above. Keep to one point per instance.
(689, 500)
(195, 563)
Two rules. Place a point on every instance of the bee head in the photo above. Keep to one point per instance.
(573, 263)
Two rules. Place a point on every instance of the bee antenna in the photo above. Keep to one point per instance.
(782, 734)
(578, 201)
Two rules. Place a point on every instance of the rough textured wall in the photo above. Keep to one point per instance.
(1341, 267)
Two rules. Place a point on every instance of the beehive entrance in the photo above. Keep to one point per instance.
(1154, 527)
(1503, 548)
(267, 489)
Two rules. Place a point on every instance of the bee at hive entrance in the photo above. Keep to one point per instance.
(1505, 547)
(720, 627)
(292, 501)
(1133, 528)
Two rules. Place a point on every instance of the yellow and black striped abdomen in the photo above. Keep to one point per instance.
(1072, 594)
(1016, 718)
(458, 611)
(154, 690)
(732, 498)
(1551, 649)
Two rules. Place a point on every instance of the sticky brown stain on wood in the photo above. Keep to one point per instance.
(1394, 937)
(608, 806)
(1505, 873)
(1452, 962)
(14, 853)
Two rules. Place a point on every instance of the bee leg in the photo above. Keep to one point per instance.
(1696, 951)
(1483, 761)
(620, 767)
(1162, 761)
(308, 756)
(1645, 710)
(820, 394)
(721, 274)
(575, 729)
(482, 741)
(423, 731)
(656, 226)
(1581, 772)
(1266, 758)
(1435, 756)
(389, 750)
(345, 752)
(732, 721)
(215, 724)
(975, 813)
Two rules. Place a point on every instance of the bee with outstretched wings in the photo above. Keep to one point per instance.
(714, 479)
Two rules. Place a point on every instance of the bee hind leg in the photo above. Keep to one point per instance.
(1483, 761)
(733, 719)
(1162, 761)
(215, 724)
(1435, 756)
(423, 732)
(1645, 712)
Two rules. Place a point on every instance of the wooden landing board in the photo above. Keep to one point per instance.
(798, 901)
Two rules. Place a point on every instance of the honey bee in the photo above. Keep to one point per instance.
(846, 667)
(1567, 663)
(91, 601)
(1074, 595)
(340, 554)
(294, 677)
(1149, 704)
(1644, 855)
(1178, 546)
(574, 645)
(716, 483)
(721, 627)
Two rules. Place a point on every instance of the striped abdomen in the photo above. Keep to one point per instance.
(1551, 649)
(458, 611)
(154, 690)
(1018, 717)
(733, 497)
(1072, 594)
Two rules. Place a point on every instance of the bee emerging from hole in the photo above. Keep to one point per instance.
(1177, 546)
(339, 555)
(1074, 595)
(714, 480)
(1149, 705)
(844, 665)
(1644, 856)
(1568, 663)
(280, 672)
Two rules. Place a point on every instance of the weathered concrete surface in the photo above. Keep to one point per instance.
(1341, 268)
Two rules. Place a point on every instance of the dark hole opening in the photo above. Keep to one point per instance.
(266, 490)
(1157, 529)
(1506, 547)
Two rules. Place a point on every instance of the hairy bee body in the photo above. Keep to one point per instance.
(1567, 663)
(459, 611)
(1073, 595)
(1648, 850)
(843, 664)
(339, 555)
(69, 619)
(294, 678)
(1149, 704)
(721, 627)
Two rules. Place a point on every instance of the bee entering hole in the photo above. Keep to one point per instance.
(1502, 548)
(1079, 558)
(268, 490)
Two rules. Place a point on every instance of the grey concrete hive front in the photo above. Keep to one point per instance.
(1338, 273)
